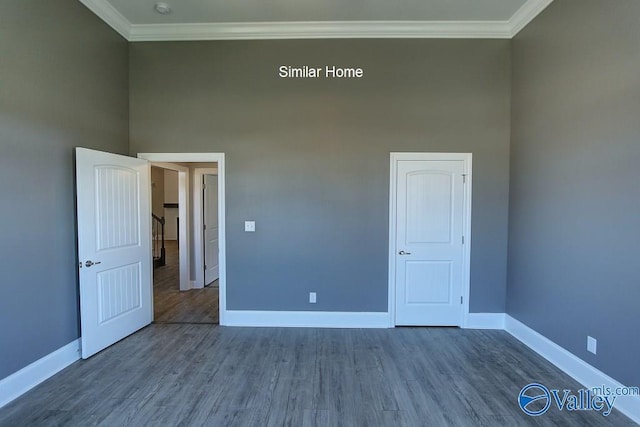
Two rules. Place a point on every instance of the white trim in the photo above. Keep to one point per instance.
(307, 319)
(467, 158)
(526, 14)
(466, 255)
(571, 365)
(321, 30)
(180, 157)
(184, 209)
(198, 221)
(317, 29)
(109, 14)
(218, 158)
(30, 376)
(485, 321)
(222, 240)
(391, 280)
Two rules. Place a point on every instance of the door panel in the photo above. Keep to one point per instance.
(436, 273)
(117, 200)
(429, 256)
(114, 247)
(428, 197)
(211, 272)
(119, 290)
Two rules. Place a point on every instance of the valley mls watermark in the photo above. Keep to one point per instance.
(535, 399)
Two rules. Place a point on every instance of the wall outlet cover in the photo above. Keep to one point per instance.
(592, 345)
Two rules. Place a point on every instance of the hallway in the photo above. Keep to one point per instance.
(172, 306)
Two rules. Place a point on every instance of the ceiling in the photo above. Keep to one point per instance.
(137, 20)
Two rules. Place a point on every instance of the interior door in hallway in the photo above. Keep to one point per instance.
(210, 194)
(114, 247)
(429, 242)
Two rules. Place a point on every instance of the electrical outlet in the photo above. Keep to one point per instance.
(592, 345)
(312, 297)
(250, 226)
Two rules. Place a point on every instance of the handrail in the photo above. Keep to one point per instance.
(159, 252)
(157, 218)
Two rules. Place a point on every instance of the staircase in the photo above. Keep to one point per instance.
(157, 231)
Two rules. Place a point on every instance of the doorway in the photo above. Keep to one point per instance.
(192, 305)
(175, 298)
(170, 207)
(429, 245)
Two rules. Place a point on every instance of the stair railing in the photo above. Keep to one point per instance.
(157, 230)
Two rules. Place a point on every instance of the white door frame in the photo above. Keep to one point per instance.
(466, 255)
(198, 222)
(219, 159)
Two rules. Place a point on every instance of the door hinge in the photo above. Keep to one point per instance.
(461, 299)
(205, 266)
(204, 226)
(464, 178)
(463, 240)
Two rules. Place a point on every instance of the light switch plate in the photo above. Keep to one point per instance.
(250, 226)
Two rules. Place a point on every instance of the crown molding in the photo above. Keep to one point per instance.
(321, 30)
(526, 14)
(110, 15)
(317, 29)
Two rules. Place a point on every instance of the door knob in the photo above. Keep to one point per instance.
(404, 253)
(90, 263)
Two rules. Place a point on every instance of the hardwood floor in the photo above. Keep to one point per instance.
(170, 305)
(178, 374)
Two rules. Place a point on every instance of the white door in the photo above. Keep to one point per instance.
(428, 247)
(114, 247)
(210, 193)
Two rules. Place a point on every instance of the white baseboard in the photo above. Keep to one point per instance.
(572, 365)
(30, 376)
(484, 321)
(307, 319)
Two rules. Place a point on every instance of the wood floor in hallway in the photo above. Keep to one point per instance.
(170, 305)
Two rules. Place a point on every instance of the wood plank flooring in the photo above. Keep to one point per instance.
(194, 375)
(170, 305)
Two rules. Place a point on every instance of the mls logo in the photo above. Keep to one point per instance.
(534, 399)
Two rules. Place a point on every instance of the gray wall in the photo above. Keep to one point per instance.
(309, 159)
(157, 191)
(63, 83)
(575, 205)
(171, 196)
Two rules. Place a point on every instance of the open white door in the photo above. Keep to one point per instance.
(114, 247)
(210, 194)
